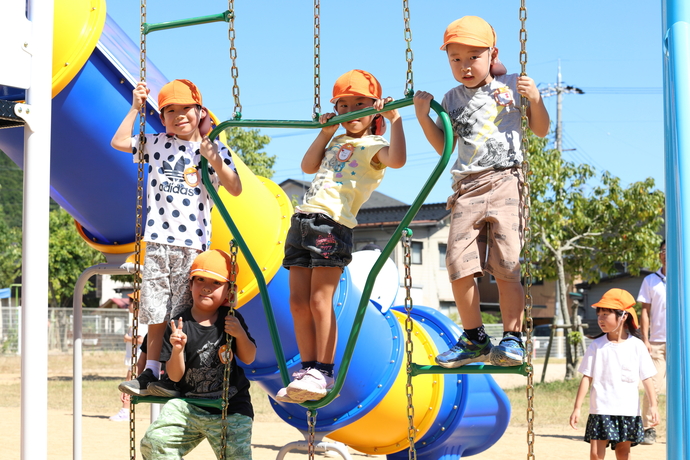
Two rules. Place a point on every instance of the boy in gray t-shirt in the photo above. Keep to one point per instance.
(487, 221)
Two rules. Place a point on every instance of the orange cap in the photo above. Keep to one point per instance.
(356, 83)
(179, 92)
(619, 299)
(470, 30)
(214, 264)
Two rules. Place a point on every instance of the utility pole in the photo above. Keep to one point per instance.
(558, 90)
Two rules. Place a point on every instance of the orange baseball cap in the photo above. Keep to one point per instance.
(356, 83)
(179, 92)
(619, 299)
(214, 264)
(470, 30)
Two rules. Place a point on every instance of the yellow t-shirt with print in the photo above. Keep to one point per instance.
(346, 178)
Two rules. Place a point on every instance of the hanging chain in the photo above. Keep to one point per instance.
(136, 283)
(227, 354)
(317, 61)
(311, 422)
(409, 81)
(527, 248)
(409, 345)
(234, 72)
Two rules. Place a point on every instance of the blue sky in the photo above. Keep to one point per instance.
(611, 51)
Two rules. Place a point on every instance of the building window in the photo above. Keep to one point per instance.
(447, 308)
(416, 255)
(442, 247)
(492, 280)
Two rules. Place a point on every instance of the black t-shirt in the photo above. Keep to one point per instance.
(203, 376)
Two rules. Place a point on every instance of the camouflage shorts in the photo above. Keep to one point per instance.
(165, 290)
(181, 426)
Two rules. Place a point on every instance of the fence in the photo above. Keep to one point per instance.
(102, 329)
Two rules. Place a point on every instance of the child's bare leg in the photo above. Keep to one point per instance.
(510, 351)
(466, 295)
(324, 282)
(302, 318)
(623, 450)
(473, 345)
(597, 449)
(512, 303)
(154, 343)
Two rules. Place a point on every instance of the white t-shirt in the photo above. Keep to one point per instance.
(178, 206)
(487, 125)
(616, 370)
(653, 292)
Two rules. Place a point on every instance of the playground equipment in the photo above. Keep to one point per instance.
(459, 419)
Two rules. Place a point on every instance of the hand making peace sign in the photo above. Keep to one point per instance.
(178, 339)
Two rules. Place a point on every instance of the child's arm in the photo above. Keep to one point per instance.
(246, 350)
(228, 178)
(536, 111)
(395, 155)
(312, 159)
(581, 393)
(651, 395)
(422, 106)
(122, 140)
(175, 366)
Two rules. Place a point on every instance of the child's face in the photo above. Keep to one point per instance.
(608, 319)
(208, 293)
(182, 120)
(470, 64)
(347, 104)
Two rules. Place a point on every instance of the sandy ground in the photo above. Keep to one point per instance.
(106, 440)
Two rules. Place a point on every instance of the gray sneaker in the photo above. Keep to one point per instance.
(138, 386)
(164, 388)
(464, 352)
(649, 437)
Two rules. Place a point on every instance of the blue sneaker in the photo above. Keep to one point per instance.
(510, 352)
(464, 352)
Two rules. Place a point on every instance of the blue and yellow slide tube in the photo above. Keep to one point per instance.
(95, 68)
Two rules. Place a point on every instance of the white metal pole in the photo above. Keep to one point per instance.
(37, 114)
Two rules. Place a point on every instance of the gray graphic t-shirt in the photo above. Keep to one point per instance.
(486, 125)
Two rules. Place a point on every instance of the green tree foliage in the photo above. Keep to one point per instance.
(248, 144)
(587, 228)
(10, 192)
(69, 257)
(11, 253)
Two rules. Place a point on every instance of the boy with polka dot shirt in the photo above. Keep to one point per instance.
(178, 214)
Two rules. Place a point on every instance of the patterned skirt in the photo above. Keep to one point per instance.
(615, 429)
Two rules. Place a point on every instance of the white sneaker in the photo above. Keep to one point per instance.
(312, 386)
(121, 416)
(282, 395)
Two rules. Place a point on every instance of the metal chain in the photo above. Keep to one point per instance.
(317, 61)
(136, 283)
(527, 248)
(234, 72)
(409, 345)
(311, 422)
(232, 294)
(409, 81)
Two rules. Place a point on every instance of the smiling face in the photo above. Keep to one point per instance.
(183, 121)
(470, 64)
(346, 104)
(207, 293)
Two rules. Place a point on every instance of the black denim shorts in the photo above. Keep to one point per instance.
(316, 240)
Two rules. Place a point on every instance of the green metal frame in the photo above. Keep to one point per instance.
(225, 16)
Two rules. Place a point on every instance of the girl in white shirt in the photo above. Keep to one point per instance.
(612, 367)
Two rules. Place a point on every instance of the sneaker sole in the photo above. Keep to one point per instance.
(499, 358)
(462, 362)
(132, 391)
(164, 394)
(302, 395)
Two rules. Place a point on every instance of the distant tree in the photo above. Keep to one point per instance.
(69, 257)
(247, 143)
(583, 228)
(11, 253)
(10, 192)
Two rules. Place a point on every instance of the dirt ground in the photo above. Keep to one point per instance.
(106, 440)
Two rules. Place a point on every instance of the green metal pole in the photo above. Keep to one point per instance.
(225, 16)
